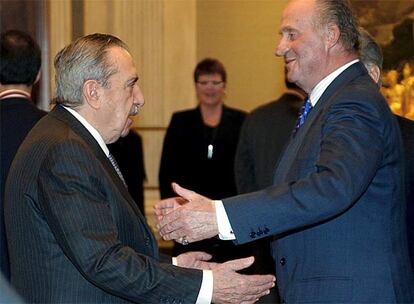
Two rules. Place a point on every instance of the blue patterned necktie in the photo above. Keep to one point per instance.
(116, 167)
(307, 107)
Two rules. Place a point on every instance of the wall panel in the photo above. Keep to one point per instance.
(243, 35)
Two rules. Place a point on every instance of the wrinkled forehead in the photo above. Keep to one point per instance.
(298, 13)
(123, 63)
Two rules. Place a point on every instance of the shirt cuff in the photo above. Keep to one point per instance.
(206, 291)
(223, 223)
(205, 295)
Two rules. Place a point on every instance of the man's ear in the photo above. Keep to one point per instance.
(332, 35)
(375, 72)
(90, 93)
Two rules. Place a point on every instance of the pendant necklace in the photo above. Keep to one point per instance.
(210, 151)
(210, 135)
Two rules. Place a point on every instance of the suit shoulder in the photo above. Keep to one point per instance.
(234, 110)
(52, 131)
(236, 114)
(407, 129)
(185, 113)
(406, 123)
(184, 116)
(281, 107)
(274, 104)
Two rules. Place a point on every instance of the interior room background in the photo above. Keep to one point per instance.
(168, 37)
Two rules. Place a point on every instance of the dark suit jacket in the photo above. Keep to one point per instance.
(337, 205)
(17, 117)
(75, 233)
(129, 155)
(263, 136)
(407, 131)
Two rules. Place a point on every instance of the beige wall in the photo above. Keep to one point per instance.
(243, 35)
(167, 38)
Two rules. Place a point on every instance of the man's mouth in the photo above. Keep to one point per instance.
(288, 61)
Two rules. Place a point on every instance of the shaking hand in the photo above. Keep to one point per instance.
(190, 217)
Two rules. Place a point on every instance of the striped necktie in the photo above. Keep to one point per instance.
(307, 107)
(116, 167)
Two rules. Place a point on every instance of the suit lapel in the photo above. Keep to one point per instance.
(327, 98)
(60, 113)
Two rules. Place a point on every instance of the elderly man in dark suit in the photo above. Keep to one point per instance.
(20, 61)
(337, 206)
(76, 235)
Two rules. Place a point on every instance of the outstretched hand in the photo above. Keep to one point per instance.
(165, 206)
(190, 216)
(196, 260)
(232, 287)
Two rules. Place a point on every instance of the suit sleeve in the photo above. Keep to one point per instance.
(349, 153)
(73, 197)
(244, 161)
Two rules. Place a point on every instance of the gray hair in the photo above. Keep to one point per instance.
(370, 52)
(339, 12)
(83, 60)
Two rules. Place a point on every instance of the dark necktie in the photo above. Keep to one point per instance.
(307, 107)
(116, 167)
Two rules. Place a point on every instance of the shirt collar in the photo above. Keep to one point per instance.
(91, 129)
(320, 88)
(15, 93)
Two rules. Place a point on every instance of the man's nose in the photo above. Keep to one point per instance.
(138, 97)
(281, 48)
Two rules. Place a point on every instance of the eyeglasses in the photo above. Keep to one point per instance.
(213, 82)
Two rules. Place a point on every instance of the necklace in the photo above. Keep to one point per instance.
(210, 149)
(210, 135)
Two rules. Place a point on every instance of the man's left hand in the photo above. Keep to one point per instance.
(196, 260)
(194, 221)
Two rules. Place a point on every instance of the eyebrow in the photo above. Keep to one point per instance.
(131, 81)
(287, 29)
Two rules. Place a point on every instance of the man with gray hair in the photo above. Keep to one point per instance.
(371, 55)
(336, 207)
(75, 234)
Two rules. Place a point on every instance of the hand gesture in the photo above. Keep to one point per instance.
(232, 287)
(189, 222)
(196, 260)
(167, 205)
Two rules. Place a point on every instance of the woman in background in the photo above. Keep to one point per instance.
(199, 149)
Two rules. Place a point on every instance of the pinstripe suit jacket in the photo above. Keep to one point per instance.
(75, 234)
(337, 205)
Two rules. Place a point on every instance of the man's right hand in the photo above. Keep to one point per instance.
(232, 287)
